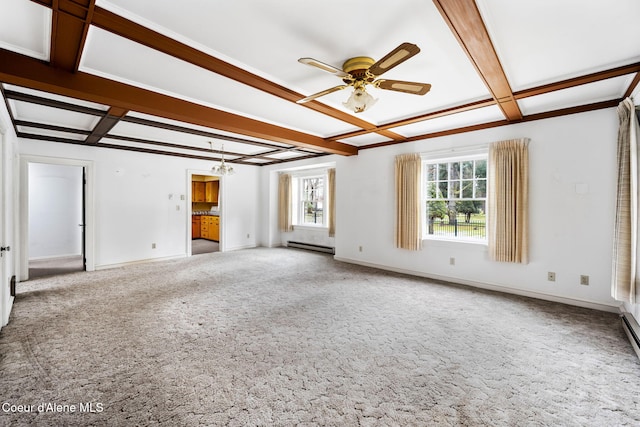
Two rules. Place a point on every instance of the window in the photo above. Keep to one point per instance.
(455, 196)
(309, 200)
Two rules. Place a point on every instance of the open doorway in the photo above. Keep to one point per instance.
(205, 214)
(56, 219)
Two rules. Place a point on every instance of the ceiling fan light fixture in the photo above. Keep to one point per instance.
(359, 100)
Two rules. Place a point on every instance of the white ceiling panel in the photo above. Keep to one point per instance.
(200, 128)
(284, 155)
(52, 133)
(544, 41)
(366, 139)
(453, 121)
(153, 70)
(53, 116)
(25, 27)
(142, 146)
(132, 130)
(55, 97)
(603, 90)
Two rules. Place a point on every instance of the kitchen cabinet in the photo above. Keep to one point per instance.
(214, 231)
(210, 227)
(198, 191)
(211, 191)
(195, 227)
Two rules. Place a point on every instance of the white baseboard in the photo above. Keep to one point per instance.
(142, 261)
(492, 287)
(50, 257)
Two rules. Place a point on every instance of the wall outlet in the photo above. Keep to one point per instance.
(359, 248)
(153, 246)
(248, 235)
(551, 276)
(452, 261)
(584, 280)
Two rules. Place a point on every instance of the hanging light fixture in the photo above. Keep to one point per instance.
(221, 169)
(359, 100)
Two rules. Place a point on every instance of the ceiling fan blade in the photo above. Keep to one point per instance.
(402, 86)
(396, 57)
(324, 67)
(323, 93)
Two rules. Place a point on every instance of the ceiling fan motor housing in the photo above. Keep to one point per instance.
(358, 67)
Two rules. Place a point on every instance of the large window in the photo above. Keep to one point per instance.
(309, 200)
(455, 195)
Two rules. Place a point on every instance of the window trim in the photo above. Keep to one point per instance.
(450, 156)
(297, 199)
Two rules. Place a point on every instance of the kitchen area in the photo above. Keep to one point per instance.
(205, 214)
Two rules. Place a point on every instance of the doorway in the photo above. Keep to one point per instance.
(205, 199)
(56, 219)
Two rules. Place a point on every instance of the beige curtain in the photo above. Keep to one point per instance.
(332, 202)
(408, 174)
(624, 275)
(508, 201)
(285, 222)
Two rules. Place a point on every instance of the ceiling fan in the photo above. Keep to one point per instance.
(361, 71)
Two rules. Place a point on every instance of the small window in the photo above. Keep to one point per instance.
(455, 198)
(311, 201)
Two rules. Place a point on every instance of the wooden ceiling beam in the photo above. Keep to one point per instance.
(123, 27)
(465, 21)
(106, 123)
(70, 25)
(24, 71)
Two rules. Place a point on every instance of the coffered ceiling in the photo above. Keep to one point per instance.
(185, 77)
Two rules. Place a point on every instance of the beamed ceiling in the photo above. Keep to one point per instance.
(182, 78)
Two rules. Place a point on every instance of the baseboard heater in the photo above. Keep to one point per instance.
(632, 330)
(311, 247)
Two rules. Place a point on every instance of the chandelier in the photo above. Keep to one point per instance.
(222, 168)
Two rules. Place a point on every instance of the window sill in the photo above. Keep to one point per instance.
(310, 227)
(445, 242)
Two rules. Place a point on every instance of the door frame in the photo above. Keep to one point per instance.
(222, 207)
(89, 223)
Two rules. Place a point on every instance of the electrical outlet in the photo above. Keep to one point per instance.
(153, 246)
(452, 261)
(248, 235)
(551, 276)
(359, 248)
(584, 280)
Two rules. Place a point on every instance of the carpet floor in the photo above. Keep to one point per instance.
(281, 337)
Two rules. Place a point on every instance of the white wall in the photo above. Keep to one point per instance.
(138, 202)
(55, 210)
(571, 233)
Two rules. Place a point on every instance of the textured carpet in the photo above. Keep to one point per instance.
(54, 266)
(284, 337)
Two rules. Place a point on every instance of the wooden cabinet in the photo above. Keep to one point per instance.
(197, 191)
(211, 191)
(210, 227)
(195, 227)
(214, 231)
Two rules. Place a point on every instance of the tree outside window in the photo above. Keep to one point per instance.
(455, 198)
(312, 200)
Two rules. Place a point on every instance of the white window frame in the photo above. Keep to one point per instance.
(448, 157)
(297, 206)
